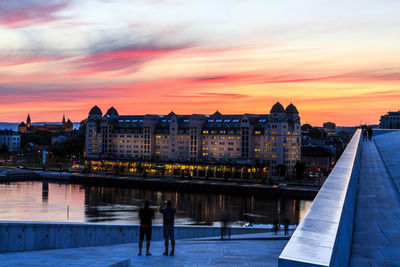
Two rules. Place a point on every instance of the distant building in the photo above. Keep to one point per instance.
(316, 158)
(305, 128)
(314, 136)
(390, 121)
(66, 126)
(330, 128)
(268, 139)
(321, 150)
(11, 139)
(64, 137)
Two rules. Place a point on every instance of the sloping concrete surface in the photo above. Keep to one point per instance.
(388, 145)
(255, 250)
(376, 239)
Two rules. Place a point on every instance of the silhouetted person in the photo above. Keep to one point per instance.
(370, 133)
(168, 225)
(276, 226)
(225, 225)
(286, 226)
(365, 134)
(146, 216)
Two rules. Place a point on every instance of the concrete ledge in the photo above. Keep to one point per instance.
(324, 236)
(25, 236)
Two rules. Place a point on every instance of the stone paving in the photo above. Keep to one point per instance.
(241, 250)
(376, 239)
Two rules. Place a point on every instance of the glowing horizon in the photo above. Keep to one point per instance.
(336, 61)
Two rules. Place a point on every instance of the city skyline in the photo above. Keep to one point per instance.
(336, 61)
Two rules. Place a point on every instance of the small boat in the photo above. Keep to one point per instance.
(76, 168)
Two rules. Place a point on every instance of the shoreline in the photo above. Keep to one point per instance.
(160, 183)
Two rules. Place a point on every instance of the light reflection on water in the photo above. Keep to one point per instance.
(37, 201)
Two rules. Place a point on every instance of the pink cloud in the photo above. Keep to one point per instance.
(24, 13)
(132, 56)
(20, 59)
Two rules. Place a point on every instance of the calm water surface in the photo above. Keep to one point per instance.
(39, 201)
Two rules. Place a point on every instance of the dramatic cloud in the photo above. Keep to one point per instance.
(210, 96)
(151, 56)
(24, 13)
(132, 56)
(11, 59)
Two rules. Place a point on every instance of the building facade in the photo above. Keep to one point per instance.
(390, 121)
(11, 139)
(268, 139)
(330, 128)
(65, 126)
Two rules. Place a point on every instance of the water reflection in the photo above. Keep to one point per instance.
(64, 202)
(45, 192)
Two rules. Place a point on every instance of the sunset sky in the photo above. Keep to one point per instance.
(335, 60)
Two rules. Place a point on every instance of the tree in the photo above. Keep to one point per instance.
(38, 138)
(4, 149)
(70, 147)
(299, 169)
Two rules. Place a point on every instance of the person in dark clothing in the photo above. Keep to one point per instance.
(370, 133)
(168, 225)
(286, 223)
(225, 225)
(146, 216)
(365, 135)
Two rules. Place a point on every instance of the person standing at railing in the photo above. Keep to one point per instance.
(168, 225)
(146, 216)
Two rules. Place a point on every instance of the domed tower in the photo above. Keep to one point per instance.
(293, 136)
(292, 112)
(95, 113)
(277, 109)
(278, 131)
(112, 112)
(93, 133)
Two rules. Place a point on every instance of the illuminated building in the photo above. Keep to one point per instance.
(11, 140)
(330, 128)
(66, 126)
(261, 139)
